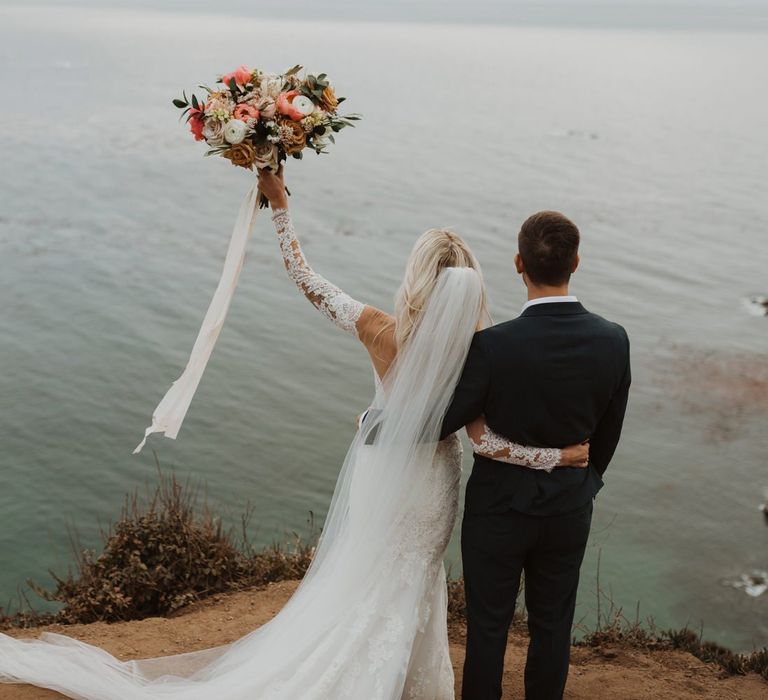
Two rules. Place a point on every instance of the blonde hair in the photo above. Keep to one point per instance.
(434, 251)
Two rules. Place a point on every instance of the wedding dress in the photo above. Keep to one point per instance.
(368, 621)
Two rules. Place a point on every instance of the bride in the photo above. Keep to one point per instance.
(369, 618)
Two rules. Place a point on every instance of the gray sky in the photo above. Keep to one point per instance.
(705, 14)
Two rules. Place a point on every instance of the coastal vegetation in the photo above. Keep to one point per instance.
(169, 550)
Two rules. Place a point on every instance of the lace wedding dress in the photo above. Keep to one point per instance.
(368, 621)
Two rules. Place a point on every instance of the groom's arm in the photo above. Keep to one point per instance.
(471, 392)
(603, 443)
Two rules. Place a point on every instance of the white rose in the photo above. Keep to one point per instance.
(267, 107)
(303, 105)
(235, 131)
(213, 132)
(271, 86)
(266, 156)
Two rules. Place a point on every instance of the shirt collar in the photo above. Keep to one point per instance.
(548, 300)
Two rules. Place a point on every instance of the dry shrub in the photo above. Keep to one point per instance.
(622, 632)
(24, 619)
(162, 556)
(709, 652)
(613, 627)
(457, 605)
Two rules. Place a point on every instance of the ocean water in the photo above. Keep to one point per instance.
(113, 229)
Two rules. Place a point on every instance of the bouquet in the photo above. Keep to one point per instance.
(258, 119)
(254, 119)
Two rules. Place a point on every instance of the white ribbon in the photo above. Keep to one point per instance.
(169, 414)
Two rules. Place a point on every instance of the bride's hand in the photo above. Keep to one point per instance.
(575, 456)
(272, 186)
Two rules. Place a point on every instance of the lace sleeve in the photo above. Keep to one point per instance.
(500, 449)
(331, 301)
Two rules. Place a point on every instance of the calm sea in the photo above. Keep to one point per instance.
(113, 229)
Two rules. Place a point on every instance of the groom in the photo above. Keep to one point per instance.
(556, 375)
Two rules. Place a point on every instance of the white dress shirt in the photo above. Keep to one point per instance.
(548, 300)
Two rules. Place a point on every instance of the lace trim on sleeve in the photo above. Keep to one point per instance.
(332, 302)
(500, 449)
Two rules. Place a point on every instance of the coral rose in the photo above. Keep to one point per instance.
(329, 102)
(245, 111)
(196, 123)
(242, 154)
(243, 75)
(286, 106)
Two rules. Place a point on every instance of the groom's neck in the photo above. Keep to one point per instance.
(539, 291)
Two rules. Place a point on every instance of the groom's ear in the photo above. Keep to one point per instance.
(519, 264)
(575, 263)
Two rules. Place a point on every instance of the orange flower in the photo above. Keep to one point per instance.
(244, 111)
(242, 154)
(196, 123)
(329, 102)
(293, 137)
(242, 75)
(294, 105)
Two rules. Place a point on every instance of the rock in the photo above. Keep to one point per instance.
(757, 305)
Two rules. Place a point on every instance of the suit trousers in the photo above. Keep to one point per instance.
(496, 549)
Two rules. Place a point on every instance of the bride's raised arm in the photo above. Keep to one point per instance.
(361, 320)
(332, 302)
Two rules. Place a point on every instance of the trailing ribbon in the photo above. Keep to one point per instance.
(169, 414)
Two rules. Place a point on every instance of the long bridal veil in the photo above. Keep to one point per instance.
(351, 618)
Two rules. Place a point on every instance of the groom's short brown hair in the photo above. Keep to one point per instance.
(549, 245)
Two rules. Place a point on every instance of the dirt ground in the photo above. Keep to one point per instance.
(608, 673)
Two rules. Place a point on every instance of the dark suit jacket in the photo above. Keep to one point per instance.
(553, 377)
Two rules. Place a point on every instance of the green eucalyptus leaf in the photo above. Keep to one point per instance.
(180, 103)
